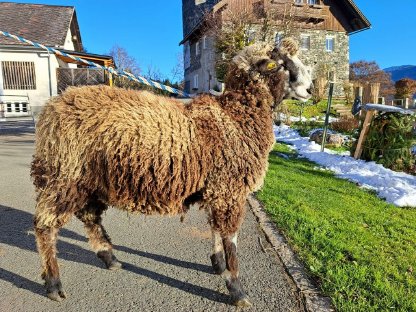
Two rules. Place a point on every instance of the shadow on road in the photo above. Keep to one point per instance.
(15, 228)
(168, 260)
(22, 282)
(175, 283)
(17, 127)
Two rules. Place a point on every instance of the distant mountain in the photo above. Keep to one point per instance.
(404, 71)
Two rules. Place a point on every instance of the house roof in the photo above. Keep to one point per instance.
(45, 24)
(354, 17)
(357, 20)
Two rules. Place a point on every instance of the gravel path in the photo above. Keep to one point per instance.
(166, 263)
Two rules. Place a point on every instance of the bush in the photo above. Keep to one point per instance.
(390, 140)
(346, 125)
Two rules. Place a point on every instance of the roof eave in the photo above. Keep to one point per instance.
(366, 23)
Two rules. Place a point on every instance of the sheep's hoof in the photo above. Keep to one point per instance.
(56, 295)
(115, 265)
(243, 303)
(53, 287)
(109, 260)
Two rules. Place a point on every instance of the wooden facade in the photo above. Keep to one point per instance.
(320, 16)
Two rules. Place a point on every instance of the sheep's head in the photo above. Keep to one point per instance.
(299, 84)
(278, 70)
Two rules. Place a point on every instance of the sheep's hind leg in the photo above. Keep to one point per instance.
(217, 257)
(46, 237)
(238, 296)
(99, 240)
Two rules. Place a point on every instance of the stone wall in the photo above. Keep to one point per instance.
(337, 60)
(202, 65)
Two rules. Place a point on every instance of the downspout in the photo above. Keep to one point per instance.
(50, 74)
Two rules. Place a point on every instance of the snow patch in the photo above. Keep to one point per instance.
(397, 188)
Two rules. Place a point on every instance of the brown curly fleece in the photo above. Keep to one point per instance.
(150, 154)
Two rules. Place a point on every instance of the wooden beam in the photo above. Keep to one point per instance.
(363, 135)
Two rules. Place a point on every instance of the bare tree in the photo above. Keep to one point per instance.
(125, 62)
(177, 73)
(362, 72)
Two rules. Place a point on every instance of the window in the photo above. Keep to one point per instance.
(331, 76)
(196, 82)
(24, 107)
(204, 42)
(329, 43)
(312, 2)
(197, 48)
(18, 75)
(305, 42)
(187, 55)
(298, 1)
(250, 35)
(9, 107)
(278, 38)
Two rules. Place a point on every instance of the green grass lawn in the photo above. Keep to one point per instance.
(361, 250)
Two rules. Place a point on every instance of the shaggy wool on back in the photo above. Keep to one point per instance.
(146, 153)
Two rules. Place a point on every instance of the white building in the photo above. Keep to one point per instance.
(29, 76)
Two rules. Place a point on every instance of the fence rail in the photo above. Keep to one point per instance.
(80, 77)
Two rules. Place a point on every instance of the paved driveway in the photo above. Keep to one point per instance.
(166, 263)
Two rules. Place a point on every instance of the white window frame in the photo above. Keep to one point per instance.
(197, 52)
(332, 75)
(312, 2)
(251, 35)
(196, 82)
(187, 55)
(204, 42)
(327, 46)
(278, 38)
(298, 2)
(302, 37)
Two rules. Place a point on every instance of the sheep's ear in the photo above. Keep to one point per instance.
(289, 46)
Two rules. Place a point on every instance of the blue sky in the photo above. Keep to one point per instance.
(391, 41)
(151, 30)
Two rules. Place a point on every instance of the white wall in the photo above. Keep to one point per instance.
(46, 82)
(45, 71)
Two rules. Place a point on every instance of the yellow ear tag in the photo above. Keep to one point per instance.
(271, 66)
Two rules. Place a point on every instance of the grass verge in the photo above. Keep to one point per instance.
(361, 250)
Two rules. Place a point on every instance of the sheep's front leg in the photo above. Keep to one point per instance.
(99, 240)
(238, 296)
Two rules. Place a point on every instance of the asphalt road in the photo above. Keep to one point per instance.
(166, 264)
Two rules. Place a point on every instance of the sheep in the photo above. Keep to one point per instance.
(98, 146)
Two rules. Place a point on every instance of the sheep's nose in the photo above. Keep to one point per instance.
(310, 89)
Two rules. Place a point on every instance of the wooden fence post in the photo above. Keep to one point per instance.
(370, 95)
(406, 103)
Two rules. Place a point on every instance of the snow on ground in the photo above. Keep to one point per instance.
(397, 188)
